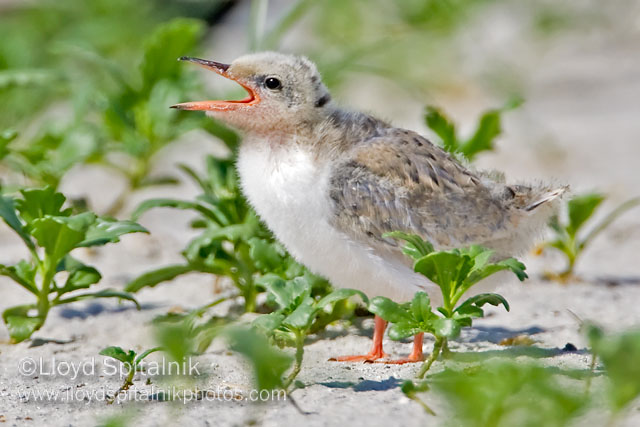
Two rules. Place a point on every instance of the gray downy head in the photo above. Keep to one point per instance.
(285, 92)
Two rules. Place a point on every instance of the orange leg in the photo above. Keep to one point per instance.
(416, 353)
(376, 350)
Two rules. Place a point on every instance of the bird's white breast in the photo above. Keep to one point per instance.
(288, 188)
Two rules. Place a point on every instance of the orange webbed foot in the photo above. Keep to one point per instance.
(367, 358)
(411, 359)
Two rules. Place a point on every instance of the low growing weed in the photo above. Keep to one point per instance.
(296, 312)
(455, 272)
(619, 354)
(132, 363)
(51, 274)
(487, 130)
(570, 238)
(509, 393)
(120, 117)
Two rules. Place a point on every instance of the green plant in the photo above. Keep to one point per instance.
(233, 242)
(35, 70)
(487, 130)
(45, 158)
(5, 138)
(619, 354)
(268, 363)
(411, 390)
(46, 49)
(569, 238)
(455, 272)
(135, 116)
(190, 333)
(131, 361)
(296, 312)
(52, 275)
(120, 108)
(510, 393)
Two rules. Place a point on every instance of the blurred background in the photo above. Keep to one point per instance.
(85, 87)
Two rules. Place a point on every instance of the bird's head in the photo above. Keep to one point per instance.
(283, 91)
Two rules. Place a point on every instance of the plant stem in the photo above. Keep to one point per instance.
(249, 293)
(571, 262)
(592, 367)
(128, 382)
(298, 361)
(47, 270)
(437, 346)
(446, 353)
(419, 401)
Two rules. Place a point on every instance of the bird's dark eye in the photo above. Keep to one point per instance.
(272, 83)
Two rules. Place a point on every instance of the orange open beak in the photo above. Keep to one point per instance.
(221, 69)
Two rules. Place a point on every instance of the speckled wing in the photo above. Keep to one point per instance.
(400, 181)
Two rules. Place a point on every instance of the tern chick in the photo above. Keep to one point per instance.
(330, 183)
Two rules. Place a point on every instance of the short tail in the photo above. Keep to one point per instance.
(546, 198)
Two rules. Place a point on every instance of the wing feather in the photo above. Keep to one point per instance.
(399, 181)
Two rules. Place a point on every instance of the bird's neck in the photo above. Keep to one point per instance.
(329, 135)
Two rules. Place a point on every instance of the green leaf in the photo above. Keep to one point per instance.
(162, 49)
(438, 122)
(606, 221)
(20, 325)
(410, 388)
(119, 354)
(442, 268)
(39, 202)
(471, 307)
(269, 364)
(448, 328)
(619, 354)
(511, 264)
(158, 180)
(267, 323)
(178, 338)
(8, 214)
(81, 277)
(389, 310)
(144, 354)
(176, 204)
(421, 307)
(400, 331)
(340, 294)
(406, 319)
(482, 140)
(106, 230)
(153, 277)
(6, 137)
(580, 209)
(106, 293)
(516, 267)
(480, 255)
(510, 393)
(24, 77)
(22, 273)
(277, 288)
(288, 295)
(58, 235)
(266, 255)
(303, 315)
(415, 248)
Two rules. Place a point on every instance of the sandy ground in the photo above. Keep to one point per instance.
(579, 126)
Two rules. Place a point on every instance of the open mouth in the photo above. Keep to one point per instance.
(221, 69)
